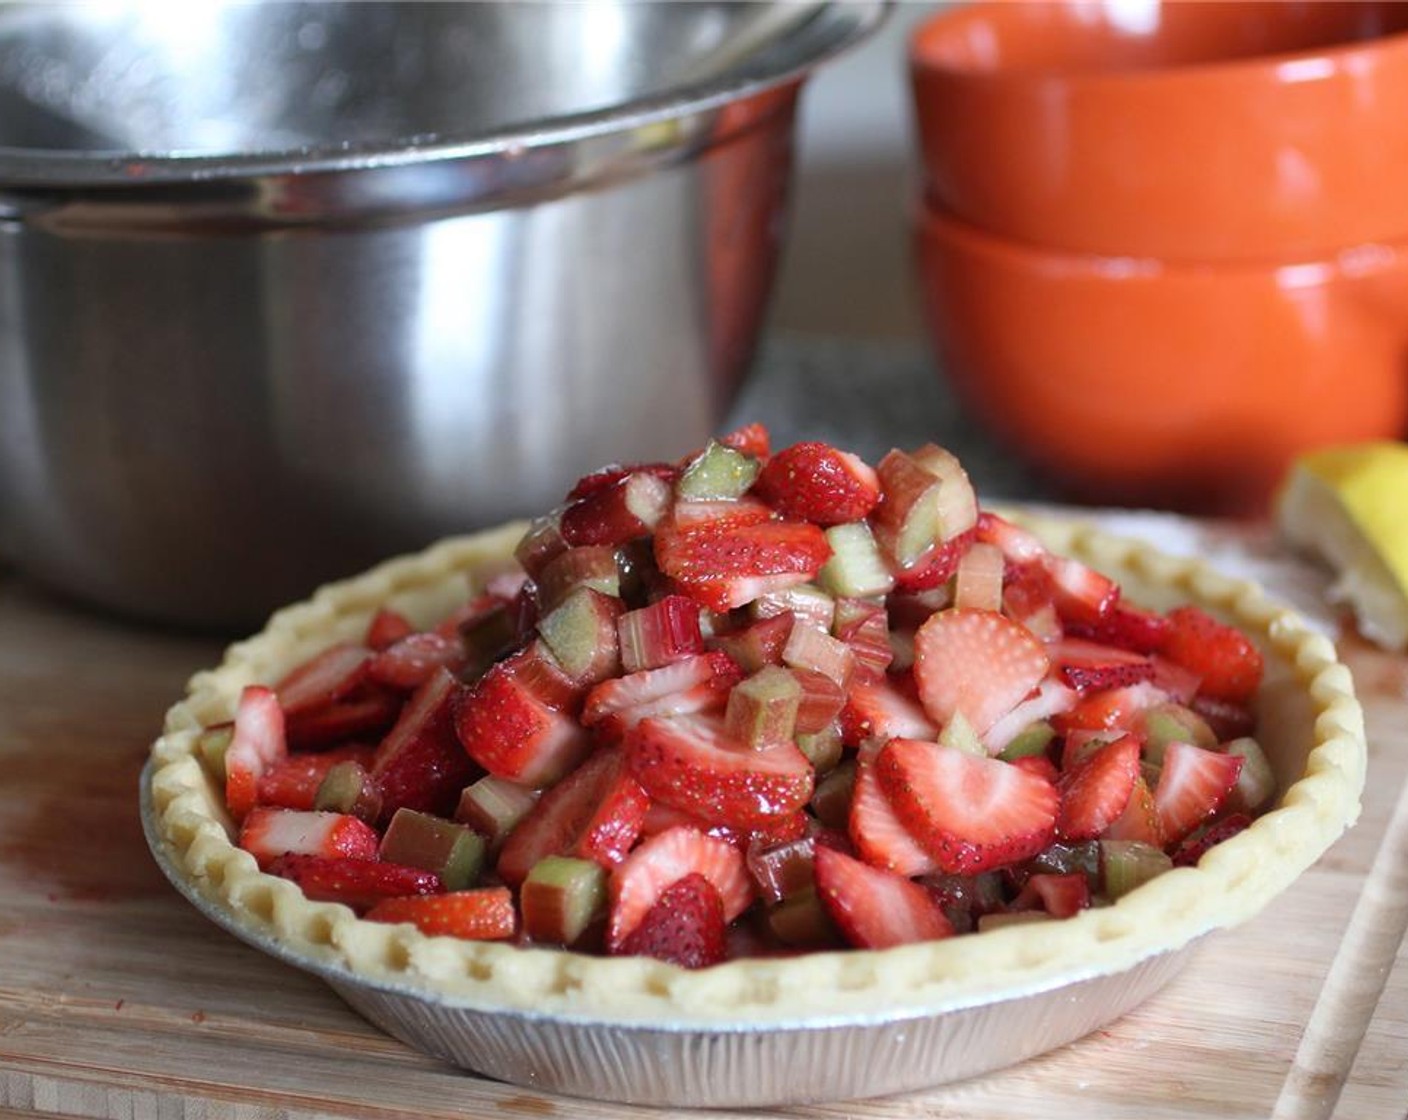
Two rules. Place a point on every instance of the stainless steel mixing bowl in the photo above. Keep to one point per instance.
(285, 287)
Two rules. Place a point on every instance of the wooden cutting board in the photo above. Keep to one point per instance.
(117, 999)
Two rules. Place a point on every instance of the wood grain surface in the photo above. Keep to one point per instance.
(118, 1000)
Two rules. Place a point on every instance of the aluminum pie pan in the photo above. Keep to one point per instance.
(727, 1065)
(824, 1026)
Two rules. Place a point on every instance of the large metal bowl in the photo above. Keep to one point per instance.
(287, 287)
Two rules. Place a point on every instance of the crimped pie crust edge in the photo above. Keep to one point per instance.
(1233, 882)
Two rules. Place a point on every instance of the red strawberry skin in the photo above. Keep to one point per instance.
(259, 742)
(358, 883)
(1090, 666)
(663, 860)
(1229, 664)
(876, 909)
(515, 735)
(420, 764)
(268, 833)
(1095, 793)
(816, 482)
(685, 926)
(486, 914)
(691, 763)
(293, 783)
(728, 566)
(971, 814)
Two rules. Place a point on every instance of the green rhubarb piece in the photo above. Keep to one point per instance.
(809, 647)
(823, 748)
(212, 745)
(1031, 740)
(856, 568)
(542, 542)
(831, 801)
(958, 733)
(348, 788)
(1068, 859)
(762, 709)
(593, 566)
(561, 897)
(801, 921)
(453, 852)
(717, 473)
(1256, 784)
(806, 601)
(1173, 723)
(759, 643)
(493, 806)
(581, 633)
(1126, 864)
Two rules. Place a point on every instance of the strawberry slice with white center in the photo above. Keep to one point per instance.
(880, 837)
(876, 909)
(258, 744)
(690, 762)
(980, 663)
(1017, 544)
(595, 813)
(1096, 792)
(420, 764)
(410, 662)
(323, 679)
(515, 735)
(970, 813)
(728, 566)
(1193, 784)
(1061, 896)
(1090, 666)
(695, 684)
(618, 512)
(878, 709)
(663, 860)
(269, 833)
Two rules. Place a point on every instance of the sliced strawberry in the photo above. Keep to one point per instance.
(323, 679)
(969, 813)
(1038, 765)
(1091, 667)
(420, 764)
(980, 663)
(268, 833)
(790, 826)
(685, 926)
(1193, 784)
(618, 512)
(879, 709)
(1115, 709)
(595, 813)
(1082, 595)
(1230, 665)
(1052, 698)
(1061, 896)
(663, 860)
(751, 439)
(1227, 719)
(407, 664)
(691, 763)
(696, 684)
(1017, 544)
(939, 568)
(1127, 627)
(486, 914)
(876, 909)
(258, 743)
(293, 783)
(1180, 683)
(816, 482)
(1140, 820)
(358, 883)
(726, 567)
(513, 734)
(1096, 792)
(1029, 597)
(1196, 846)
(615, 473)
(366, 716)
(880, 838)
(386, 628)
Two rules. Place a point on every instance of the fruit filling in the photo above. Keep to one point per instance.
(754, 703)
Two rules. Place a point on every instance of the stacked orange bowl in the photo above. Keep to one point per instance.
(1163, 247)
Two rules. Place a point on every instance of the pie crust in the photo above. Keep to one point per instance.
(1309, 722)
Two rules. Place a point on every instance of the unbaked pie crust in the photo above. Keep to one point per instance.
(1310, 723)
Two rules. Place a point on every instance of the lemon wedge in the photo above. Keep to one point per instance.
(1348, 506)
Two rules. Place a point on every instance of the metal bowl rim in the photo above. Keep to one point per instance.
(38, 167)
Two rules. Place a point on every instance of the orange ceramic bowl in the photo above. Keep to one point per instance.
(1179, 130)
(1132, 381)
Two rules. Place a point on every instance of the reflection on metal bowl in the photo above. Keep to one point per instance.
(285, 288)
